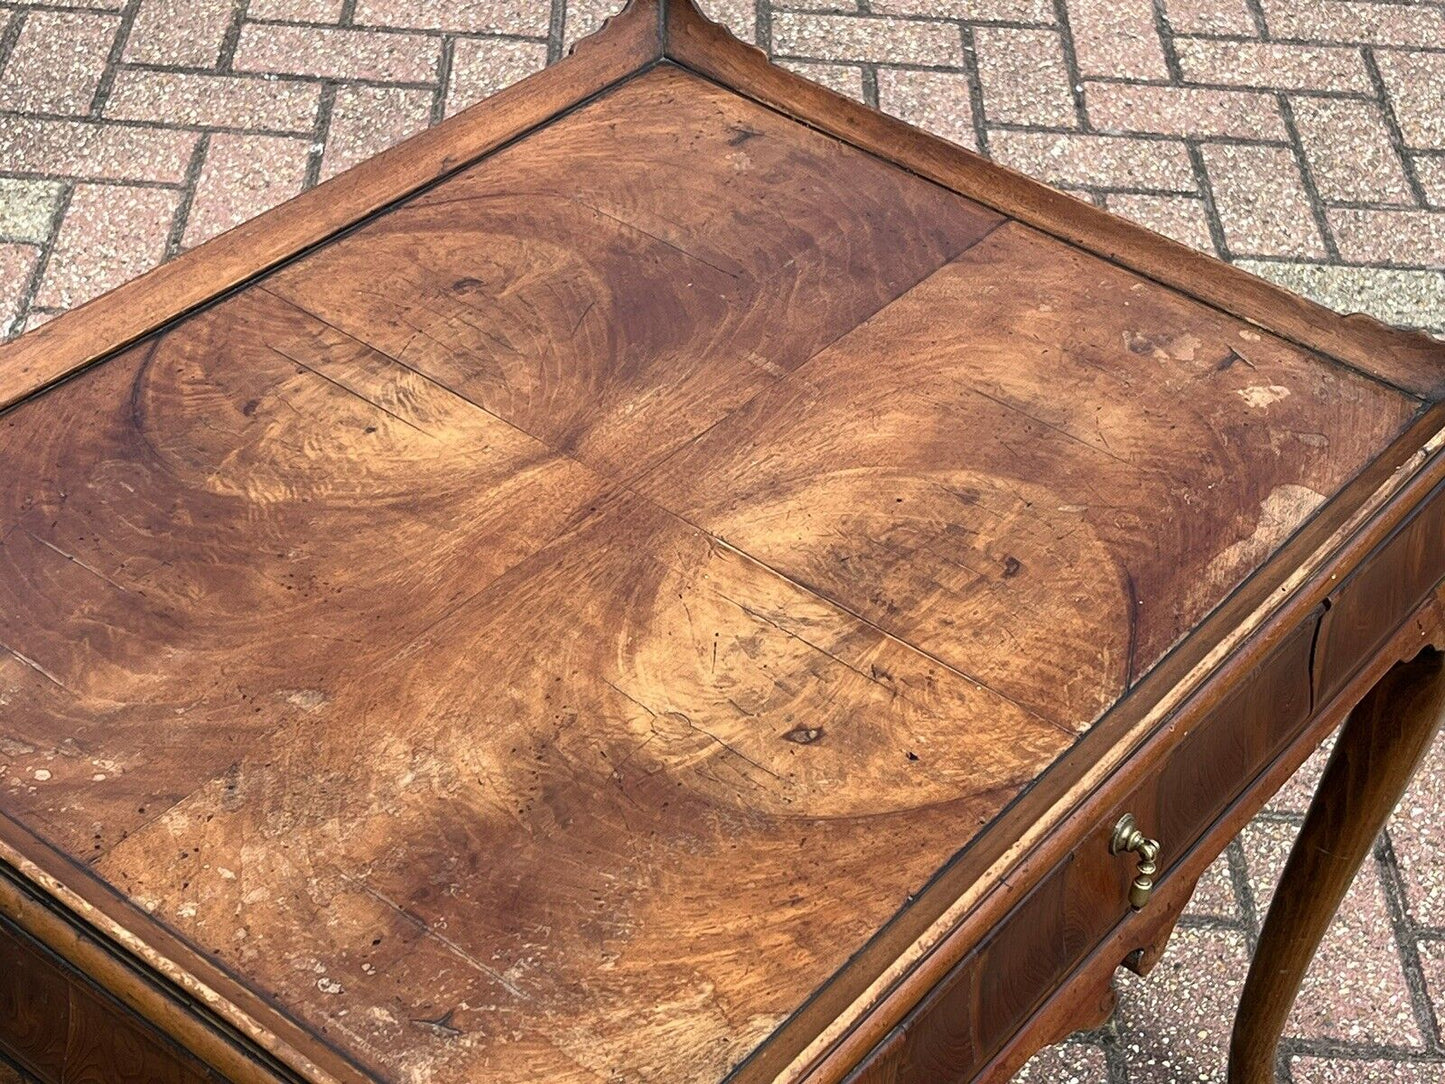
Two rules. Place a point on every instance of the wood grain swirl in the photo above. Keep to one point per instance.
(614, 305)
(547, 631)
(1031, 432)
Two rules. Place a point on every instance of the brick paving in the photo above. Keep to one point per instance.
(1301, 139)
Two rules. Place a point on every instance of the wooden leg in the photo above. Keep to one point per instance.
(1378, 750)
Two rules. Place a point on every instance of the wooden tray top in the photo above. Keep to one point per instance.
(602, 590)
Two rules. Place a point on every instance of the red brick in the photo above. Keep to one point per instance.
(1415, 832)
(1415, 82)
(585, 17)
(1077, 160)
(973, 11)
(1117, 38)
(242, 176)
(111, 234)
(57, 62)
(367, 120)
(1209, 17)
(297, 11)
(1214, 895)
(1344, 1070)
(483, 66)
(1355, 990)
(861, 38)
(1261, 201)
(17, 264)
(215, 101)
(331, 53)
(1347, 21)
(739, 16)
(1184, 111)
(1349, 152)
(1432, 962)
(526, 17)
(1430, 169)
(844, 78)
(93, 151)
(1413, 238)
(1024, 78)
(179, 32)
(1067, 1063)
(1270, 64)
(1403, 297)
(1182, 218)
(1174, 1025)
(938, 102)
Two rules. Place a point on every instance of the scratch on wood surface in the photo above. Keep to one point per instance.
(1133, 603)
(351, 391)
(687, 720)
(76, 560)
(620, 691)
(757, 615)
(1230, 358)
(497, 338)
(426, 930)
(583, 316)
(884, 633)
(28, 661)
(624, 223)
(442, 1024)
(1048, 425)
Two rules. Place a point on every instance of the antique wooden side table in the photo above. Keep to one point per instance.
(673, 575)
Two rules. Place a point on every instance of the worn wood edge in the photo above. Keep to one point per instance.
(1410, 361)
(213, 1043)
(873, 991)
(627, 44)
(185, 1009)
(1051, 1022)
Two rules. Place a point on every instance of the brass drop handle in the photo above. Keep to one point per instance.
(1128, 839)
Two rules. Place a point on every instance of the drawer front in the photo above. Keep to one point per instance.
(992, 992)
(1368, 605)
(58, 1026)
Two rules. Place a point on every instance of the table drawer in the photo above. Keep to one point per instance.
(990, 994)
(1368, 604)
(58, 1026)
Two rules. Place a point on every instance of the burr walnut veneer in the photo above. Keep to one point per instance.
(673, 575)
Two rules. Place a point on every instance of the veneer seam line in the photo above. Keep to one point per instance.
(1098, 253)
(789, 374)
(627, 486)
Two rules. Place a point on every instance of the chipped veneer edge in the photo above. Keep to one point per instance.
(77, 907)
(815, 1053)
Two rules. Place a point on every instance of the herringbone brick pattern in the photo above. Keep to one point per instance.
(1301, 139)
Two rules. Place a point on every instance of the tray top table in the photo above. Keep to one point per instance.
(672, 575)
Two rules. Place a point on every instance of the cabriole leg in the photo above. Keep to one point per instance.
(1378, 750)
